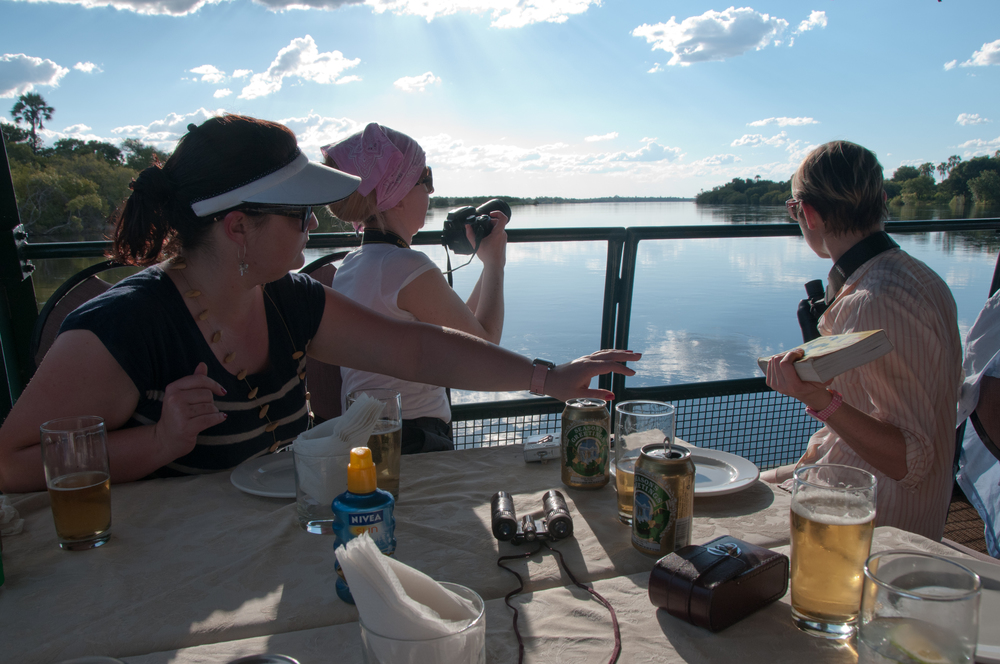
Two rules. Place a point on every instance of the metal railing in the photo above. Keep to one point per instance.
(742, 416)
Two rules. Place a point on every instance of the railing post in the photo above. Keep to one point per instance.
(610, 306)
(623, 295)
(18, 309)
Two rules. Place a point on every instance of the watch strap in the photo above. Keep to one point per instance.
(540, 371)
(824, 415)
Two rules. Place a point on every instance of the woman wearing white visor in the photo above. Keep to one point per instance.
(198, 362)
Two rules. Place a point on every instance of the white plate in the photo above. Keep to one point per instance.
(988, 648)
(717, 473)
(271, 476)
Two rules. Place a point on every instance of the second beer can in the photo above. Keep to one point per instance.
(585, 450)
(663, 500)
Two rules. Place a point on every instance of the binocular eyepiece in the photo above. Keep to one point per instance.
(453, 235)
(555, 524)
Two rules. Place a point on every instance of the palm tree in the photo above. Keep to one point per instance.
(31, 108)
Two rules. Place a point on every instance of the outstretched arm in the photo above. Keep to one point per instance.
(353, 336)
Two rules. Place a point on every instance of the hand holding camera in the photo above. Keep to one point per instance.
(477, 220)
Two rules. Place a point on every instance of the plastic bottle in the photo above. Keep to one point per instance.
(363, 508)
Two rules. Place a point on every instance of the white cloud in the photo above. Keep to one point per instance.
(948, 66)
(349, 79)
(301, 59)
(76, 129)
(20, 73)
(224, 92)
(718, 160)
(87, 67)
(817, 19)
(416, 83)
(209, 74)
(757, 140)
(314, 131)
(713, 36)
(242, 73)
(978, 146)
(606, 137)
(971, 119)
(503, 13)
(988, 55)
(165, 133)
(783, 122)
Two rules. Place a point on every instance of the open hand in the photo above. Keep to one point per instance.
(188, 409)
(572, 380)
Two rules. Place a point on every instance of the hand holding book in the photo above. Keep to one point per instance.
(827, 357)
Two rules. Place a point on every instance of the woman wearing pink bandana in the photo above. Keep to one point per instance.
(396, 281)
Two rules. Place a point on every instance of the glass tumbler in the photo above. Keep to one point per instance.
(386, 440)
(637, 423)
(78, 477)
(918, 607)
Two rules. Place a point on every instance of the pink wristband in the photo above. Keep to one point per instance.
(825, 414)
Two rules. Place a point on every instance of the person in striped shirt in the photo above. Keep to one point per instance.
(895, 416)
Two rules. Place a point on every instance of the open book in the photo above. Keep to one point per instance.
(826, 357)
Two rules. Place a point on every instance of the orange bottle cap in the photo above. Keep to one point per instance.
(361, 471)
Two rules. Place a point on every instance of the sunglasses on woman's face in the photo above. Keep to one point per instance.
(427, 179)
(300, 212)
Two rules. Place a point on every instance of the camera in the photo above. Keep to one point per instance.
(811, 309)
(453, 235)
(555, 522)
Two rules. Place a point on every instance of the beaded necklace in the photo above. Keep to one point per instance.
(179, 264)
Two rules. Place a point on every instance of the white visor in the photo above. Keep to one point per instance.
(301, 182)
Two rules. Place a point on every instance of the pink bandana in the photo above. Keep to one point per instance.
(387, 161)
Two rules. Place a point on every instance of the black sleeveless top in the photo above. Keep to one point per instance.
(146, 326)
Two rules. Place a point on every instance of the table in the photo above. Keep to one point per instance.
(197, 571)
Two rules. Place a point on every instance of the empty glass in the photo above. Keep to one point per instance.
(917, 607)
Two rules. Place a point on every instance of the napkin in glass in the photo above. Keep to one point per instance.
(334, 438)
(402, 603)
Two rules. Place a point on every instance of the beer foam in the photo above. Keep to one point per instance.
(832, 507)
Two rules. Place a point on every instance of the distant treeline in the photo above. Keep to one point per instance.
(747, 192)
(462, 201)
(976, 181)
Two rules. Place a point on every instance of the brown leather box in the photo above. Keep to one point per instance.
(716, 584)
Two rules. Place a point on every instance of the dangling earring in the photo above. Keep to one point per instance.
(243, 264)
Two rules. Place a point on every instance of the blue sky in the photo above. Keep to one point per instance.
(573, 98)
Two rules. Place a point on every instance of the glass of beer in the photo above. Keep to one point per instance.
(917, 607)
(78, 477)
(637, 423)
(387, 438)
(832, 520)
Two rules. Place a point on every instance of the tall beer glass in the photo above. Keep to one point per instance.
(637, 423)
(832, 519)
(78, 477)
(386, 440)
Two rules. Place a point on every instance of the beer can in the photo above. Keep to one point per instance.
(585, 449)
(663, 500)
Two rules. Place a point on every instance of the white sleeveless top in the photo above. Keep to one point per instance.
(373, 276)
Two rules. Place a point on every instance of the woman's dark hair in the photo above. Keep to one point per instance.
(223, 153)
(843, 181)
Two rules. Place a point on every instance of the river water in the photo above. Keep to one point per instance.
(703, 309)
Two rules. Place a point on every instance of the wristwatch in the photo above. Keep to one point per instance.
(540, 371)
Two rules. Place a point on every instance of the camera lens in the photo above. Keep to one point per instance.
(504, 519)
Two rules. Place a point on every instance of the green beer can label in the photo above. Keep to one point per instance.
(587, 454)
(654, 516)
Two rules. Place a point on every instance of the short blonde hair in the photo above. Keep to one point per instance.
(356, 209)
(843, 182)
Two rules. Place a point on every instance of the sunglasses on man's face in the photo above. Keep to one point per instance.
(427, 179)
(301, 212)
(793, 205)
